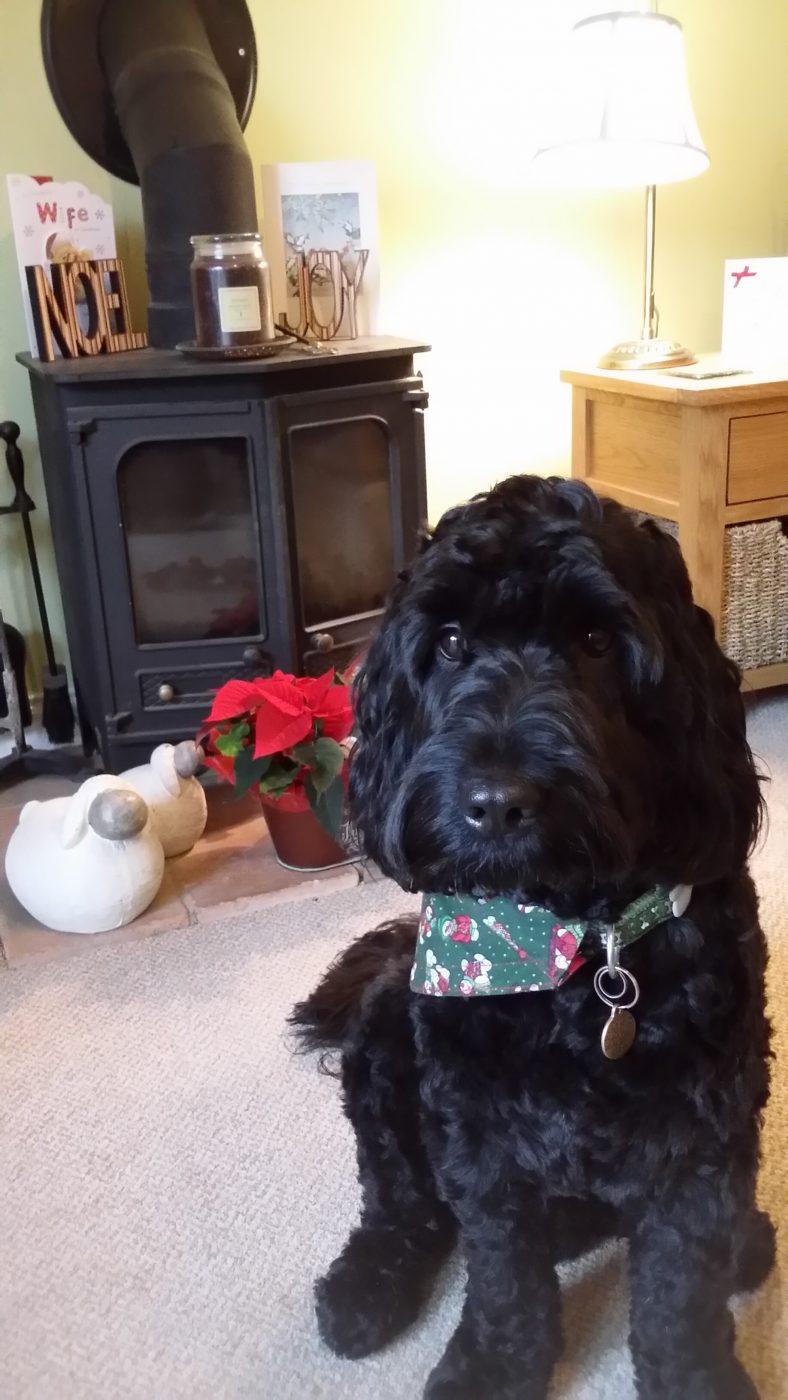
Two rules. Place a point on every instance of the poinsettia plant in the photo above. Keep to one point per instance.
(281, 736)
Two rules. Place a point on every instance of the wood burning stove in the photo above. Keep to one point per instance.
(210, 519)
(220, 519)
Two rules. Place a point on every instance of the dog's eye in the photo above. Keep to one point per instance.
(450, 643)
(597, 641)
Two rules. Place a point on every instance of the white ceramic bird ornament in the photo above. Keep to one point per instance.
(87, 863)
(175, 799)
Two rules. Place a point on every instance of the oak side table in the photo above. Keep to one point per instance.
(708, 454)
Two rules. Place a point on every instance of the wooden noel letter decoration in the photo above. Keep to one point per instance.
(82, 290)
(51, 313)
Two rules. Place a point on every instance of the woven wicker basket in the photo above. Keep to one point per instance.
(755, 592)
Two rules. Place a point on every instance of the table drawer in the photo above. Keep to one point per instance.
(758, 457)
(634, 446)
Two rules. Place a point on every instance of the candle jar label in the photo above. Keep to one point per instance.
(239, 309)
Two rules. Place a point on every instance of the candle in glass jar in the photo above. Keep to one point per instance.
(231, 289)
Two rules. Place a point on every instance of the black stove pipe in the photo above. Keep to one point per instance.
(178, 117)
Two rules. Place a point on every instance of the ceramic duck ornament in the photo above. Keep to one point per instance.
(175, 799)
(87, 863)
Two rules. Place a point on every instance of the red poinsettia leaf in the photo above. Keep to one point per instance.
(336, 712)
(234, 699)
(282, 694)
(275, 731)
(221, 765)
(314, 688)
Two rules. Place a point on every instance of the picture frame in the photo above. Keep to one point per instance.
(320, 234)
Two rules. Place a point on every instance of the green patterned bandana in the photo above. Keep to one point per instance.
(490, 947)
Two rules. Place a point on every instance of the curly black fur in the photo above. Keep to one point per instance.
(585, 671)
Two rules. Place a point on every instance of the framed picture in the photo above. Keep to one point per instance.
(320, 226)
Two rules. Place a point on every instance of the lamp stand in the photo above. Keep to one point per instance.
(649, 352)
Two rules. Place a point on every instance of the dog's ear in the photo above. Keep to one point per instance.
(711, 800)
(384, 704)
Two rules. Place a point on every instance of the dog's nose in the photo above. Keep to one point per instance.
(499, 807)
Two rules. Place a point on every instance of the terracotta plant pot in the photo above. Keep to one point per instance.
(300, 842)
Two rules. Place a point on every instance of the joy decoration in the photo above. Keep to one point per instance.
(84, 310)
(325, 270)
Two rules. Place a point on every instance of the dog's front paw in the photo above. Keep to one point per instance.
(465, 1373)
(755, 1256)
(456, 1377)
(376, 1288)
(726, 1381)
(738, 1385)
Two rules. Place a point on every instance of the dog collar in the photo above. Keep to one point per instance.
(492, 947)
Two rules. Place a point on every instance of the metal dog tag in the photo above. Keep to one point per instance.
(618, 1032)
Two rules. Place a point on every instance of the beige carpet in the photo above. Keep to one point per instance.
(171, 1179)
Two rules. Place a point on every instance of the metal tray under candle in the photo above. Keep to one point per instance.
(262, 351)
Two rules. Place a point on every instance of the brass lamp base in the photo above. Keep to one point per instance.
(647, 354)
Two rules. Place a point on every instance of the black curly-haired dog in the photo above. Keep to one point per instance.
(545, 713)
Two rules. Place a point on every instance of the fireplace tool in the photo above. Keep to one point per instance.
(57, 713)
(22, 761)
(10, 693)
(17, 655)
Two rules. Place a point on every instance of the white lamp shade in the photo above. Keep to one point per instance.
(626, 113)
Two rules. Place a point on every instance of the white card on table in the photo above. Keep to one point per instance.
(755, 311)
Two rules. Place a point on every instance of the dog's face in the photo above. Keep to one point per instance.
(545, 711)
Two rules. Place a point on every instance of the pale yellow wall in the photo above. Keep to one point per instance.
(509, 283)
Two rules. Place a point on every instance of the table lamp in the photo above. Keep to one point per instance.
(628, 120)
